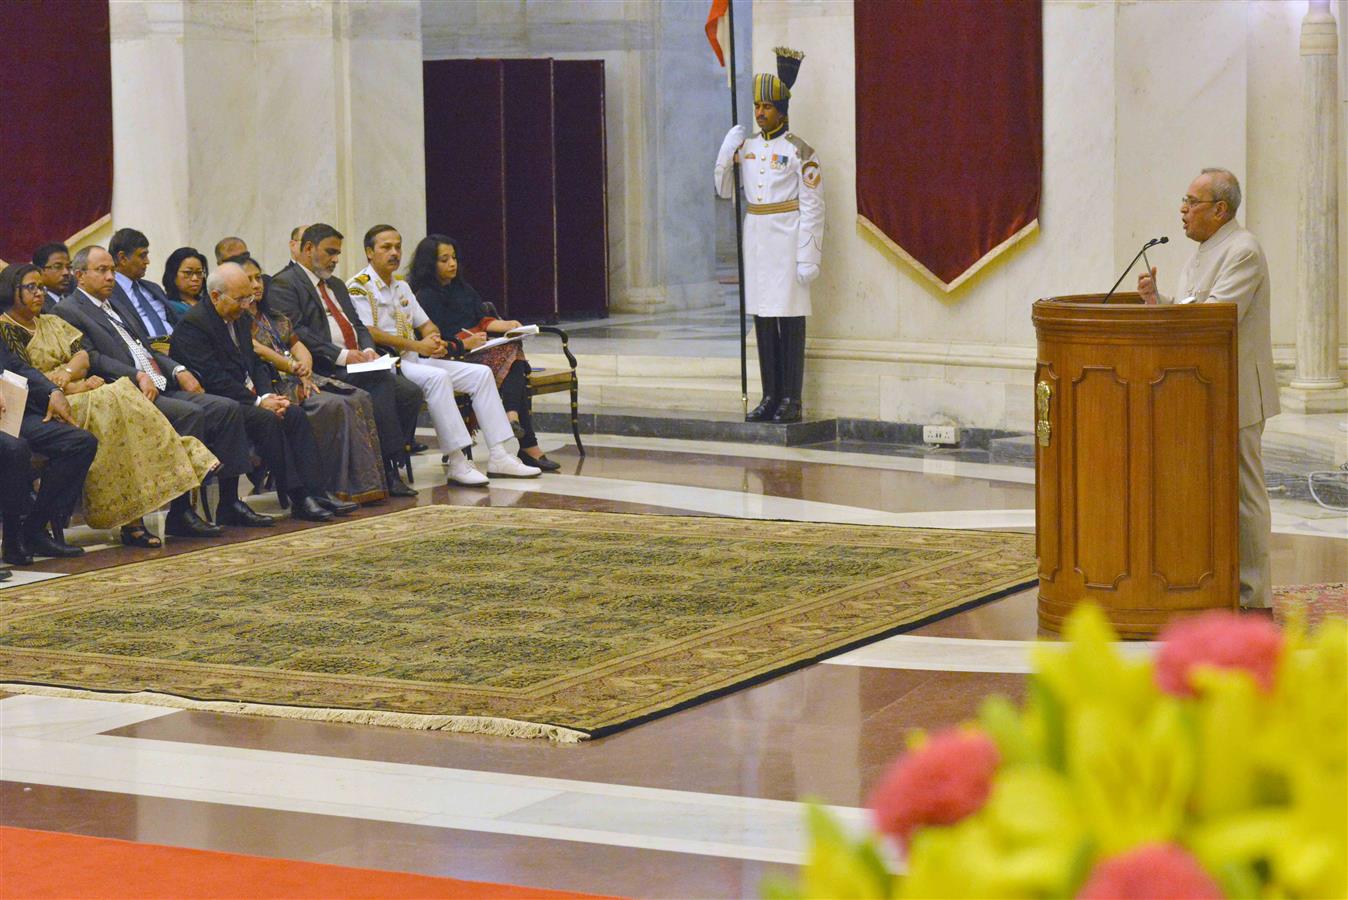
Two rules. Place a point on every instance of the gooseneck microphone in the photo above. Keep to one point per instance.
(1141, 254)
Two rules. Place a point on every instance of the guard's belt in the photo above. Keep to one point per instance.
(768, 209)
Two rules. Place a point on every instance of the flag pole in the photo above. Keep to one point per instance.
(739, 219)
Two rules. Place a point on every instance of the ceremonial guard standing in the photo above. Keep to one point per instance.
(783, 235)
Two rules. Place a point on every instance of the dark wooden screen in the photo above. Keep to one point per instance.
(465, 166)
(582, 195)
(516, 172)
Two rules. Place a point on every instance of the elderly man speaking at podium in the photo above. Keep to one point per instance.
(1229, 267)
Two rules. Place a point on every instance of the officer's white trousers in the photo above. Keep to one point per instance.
(439, 379)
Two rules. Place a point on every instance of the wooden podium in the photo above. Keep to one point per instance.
(1135, 459)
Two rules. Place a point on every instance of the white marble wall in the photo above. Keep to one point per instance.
(1137, 97)
(150, 123)
(251, 117)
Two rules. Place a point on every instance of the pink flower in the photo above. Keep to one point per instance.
(940, 783)
(1150, 872)
(1221, 639)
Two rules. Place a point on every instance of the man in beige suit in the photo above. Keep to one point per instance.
(1229, 267)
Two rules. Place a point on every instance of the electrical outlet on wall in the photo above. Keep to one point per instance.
(940, 434)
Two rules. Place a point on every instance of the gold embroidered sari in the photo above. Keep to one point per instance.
(142, 463)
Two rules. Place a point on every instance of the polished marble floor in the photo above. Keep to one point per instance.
(701, 803)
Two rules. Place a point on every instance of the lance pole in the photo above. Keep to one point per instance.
(739, 219)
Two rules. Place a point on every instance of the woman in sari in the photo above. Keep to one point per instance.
(184, 279)
(342, 416)
(459, 311)
(142, 463)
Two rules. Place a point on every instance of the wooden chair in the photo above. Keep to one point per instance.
(543, 381)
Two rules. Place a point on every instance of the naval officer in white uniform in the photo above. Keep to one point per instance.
(783, 235)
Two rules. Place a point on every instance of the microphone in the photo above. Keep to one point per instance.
(1141, 254)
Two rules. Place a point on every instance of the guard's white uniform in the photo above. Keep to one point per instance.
(780, 173)
(394, 309)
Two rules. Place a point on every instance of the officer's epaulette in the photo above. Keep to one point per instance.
(363, 277)
(804, 149)
(398, 276)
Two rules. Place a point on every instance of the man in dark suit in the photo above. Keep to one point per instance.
(118, 347)
(215, 341)
(49, 429)
(131, 256)
(54, 261)
(319, 308)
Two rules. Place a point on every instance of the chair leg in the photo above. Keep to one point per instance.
(575, 415)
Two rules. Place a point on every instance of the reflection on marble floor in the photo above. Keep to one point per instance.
(699, 803)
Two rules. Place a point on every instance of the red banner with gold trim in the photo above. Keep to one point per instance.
(950, 151)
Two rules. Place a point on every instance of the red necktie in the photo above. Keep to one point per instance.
(348, 333)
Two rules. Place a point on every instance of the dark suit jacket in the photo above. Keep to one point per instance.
(156, 293)
(294, 296)
(109, 357)
(202, 343)
(39, 388)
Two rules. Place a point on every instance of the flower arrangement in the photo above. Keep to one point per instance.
(1220, 769)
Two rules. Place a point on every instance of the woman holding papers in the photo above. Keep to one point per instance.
(457, 309)
(142, 463)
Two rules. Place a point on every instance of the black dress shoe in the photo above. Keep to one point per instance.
(15, 552)
(241, 515)
(399, 488)
(41, 544)
(541, 462)
(334, 505)
(763, 411)
(6, 573)
(417, 447)
(308, 509)
(787, 411)
(188, 524)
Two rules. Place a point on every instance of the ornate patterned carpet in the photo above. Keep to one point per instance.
(508, 621)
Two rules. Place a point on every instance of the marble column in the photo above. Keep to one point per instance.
(1317, 385)
(249, 118)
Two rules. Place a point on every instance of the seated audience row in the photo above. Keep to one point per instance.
(255, 366)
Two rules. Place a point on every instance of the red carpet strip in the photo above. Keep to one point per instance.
(37, 864)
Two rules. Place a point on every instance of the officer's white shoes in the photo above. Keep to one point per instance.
(504, 465)
(461, 471)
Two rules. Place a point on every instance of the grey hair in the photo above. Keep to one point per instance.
(216, 280)
(1226, 188)
(80, 261)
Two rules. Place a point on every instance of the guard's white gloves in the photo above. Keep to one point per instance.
(806, 272)
(733, 138)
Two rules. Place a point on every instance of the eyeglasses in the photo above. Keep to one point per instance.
(31, 288)
(56, 267)
(1194, 201)
(191, 273)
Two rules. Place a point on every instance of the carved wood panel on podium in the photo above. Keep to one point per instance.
(1136, 424)
(516, 172)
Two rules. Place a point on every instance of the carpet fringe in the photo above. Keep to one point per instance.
(487, 725)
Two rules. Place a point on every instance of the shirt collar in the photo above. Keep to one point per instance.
(1219, 235)
(313, 279)
(124, 282)
(94, 300)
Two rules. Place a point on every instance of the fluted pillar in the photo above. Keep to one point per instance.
(1317, 385)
